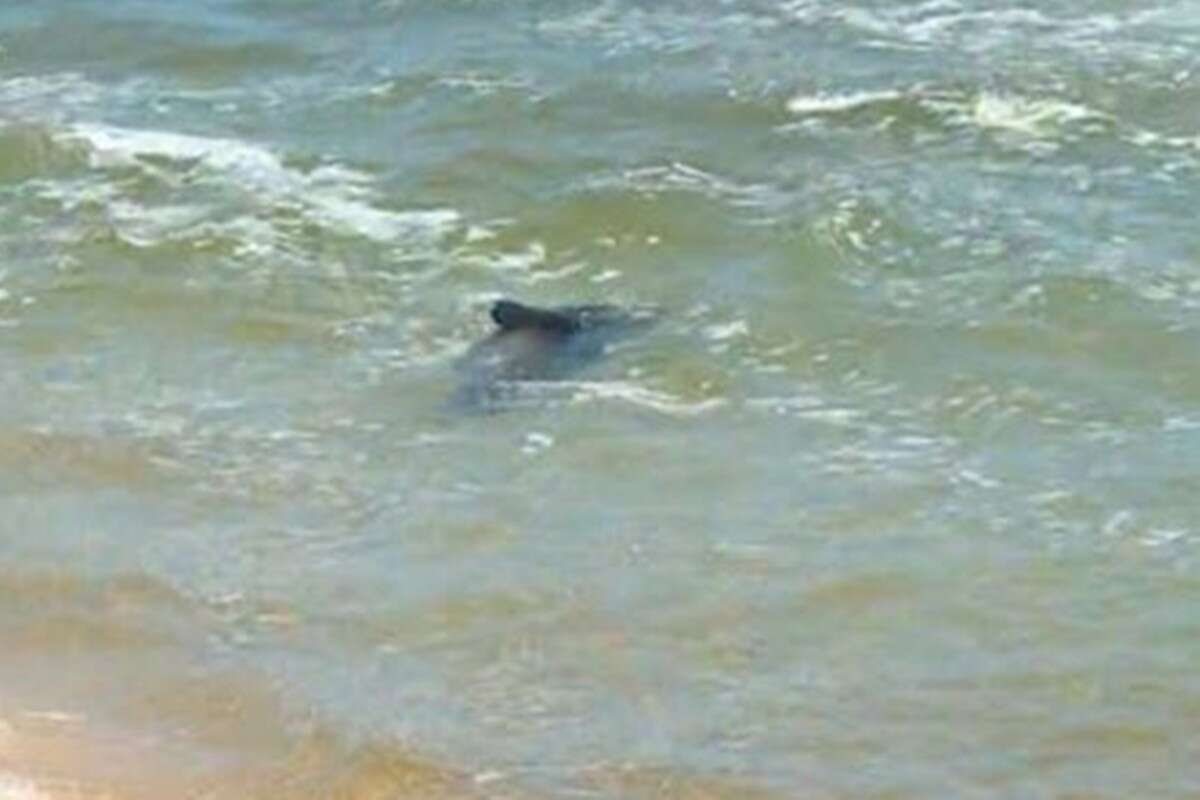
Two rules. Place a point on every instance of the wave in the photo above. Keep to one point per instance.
(683, 178)
(334, 196)
(1033, 117)
(661, 30)
(948, 25)
(56, 757)
(834, 103)
(27, 95)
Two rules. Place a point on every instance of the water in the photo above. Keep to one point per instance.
(897, 500)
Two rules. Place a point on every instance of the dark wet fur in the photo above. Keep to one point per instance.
(538, 344)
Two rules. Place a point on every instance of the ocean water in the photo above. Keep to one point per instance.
(898, 500)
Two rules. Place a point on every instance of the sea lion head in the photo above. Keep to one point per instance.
(539, 344)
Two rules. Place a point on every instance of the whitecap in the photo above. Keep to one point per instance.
(333, 196)
(143, 226)
(1161, 537)
(117, 147)
(1151, 139)
(31, 92)
(1032, 117)
(721, 332)
(835, 103)
(535, 442)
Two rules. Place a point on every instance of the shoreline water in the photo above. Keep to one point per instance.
(50, 756)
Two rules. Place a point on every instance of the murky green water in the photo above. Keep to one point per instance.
(899, 499)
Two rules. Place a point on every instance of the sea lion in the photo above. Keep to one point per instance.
(533, 344)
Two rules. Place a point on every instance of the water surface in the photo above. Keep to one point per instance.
(897, 500)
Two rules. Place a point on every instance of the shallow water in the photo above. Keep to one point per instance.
(897, 500)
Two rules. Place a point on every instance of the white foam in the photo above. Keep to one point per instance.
(661, 402)
(822, 103)
(808, 407)
(29, 92)
(143, 226)
(724, 331)
(682, 177)
(1161, 537)
(945, 23)
(114, 147)
(516, 261)
(1147, 138)
(334, 196)
(1028, 116)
